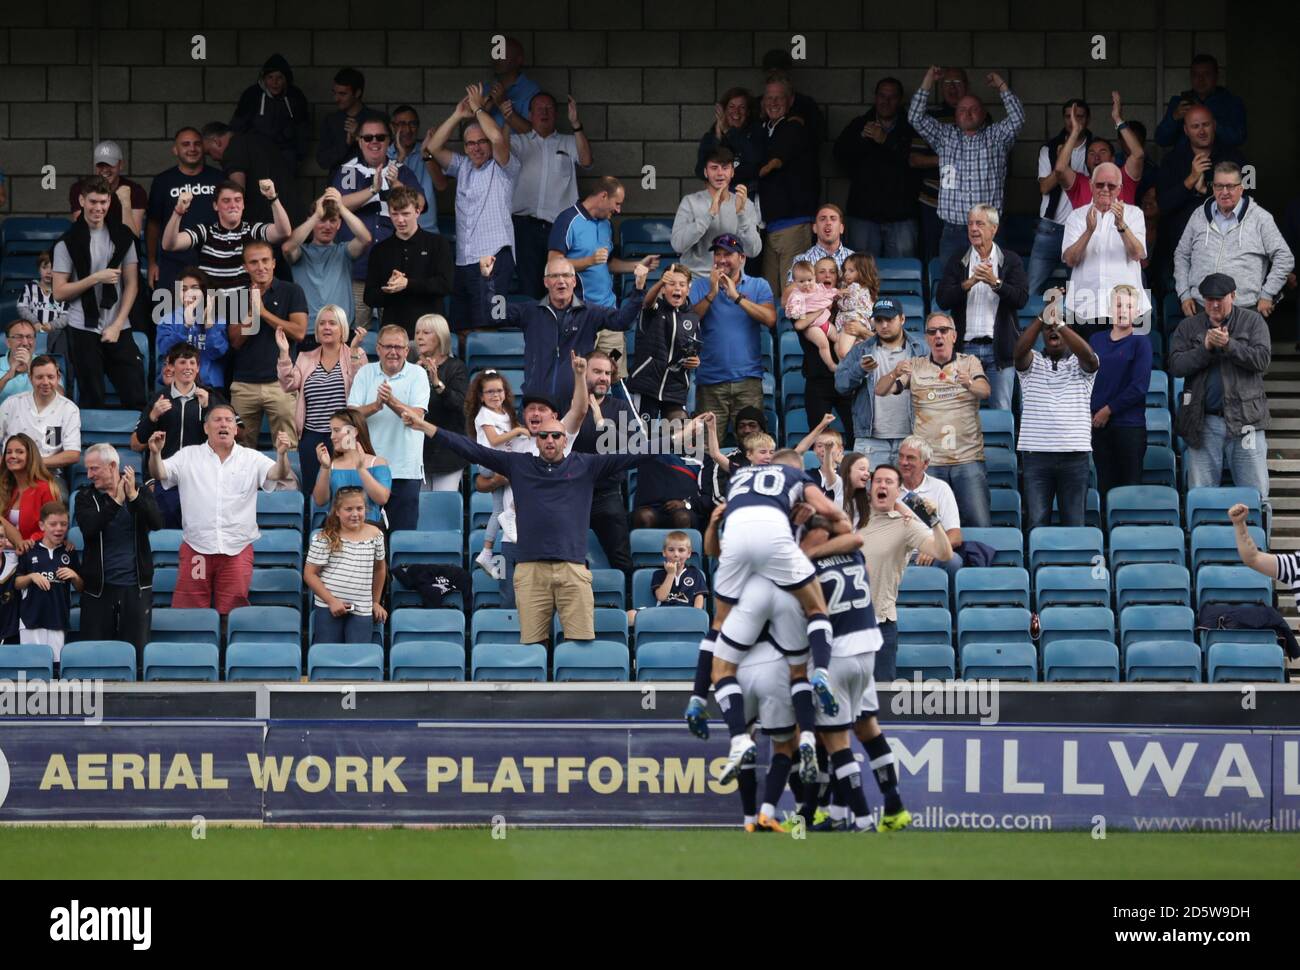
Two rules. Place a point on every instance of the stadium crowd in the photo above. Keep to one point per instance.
(381, 360)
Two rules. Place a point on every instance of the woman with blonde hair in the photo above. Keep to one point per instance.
(448, 385)
(1119, 393)
(322, 377)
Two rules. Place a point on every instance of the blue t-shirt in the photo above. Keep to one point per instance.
(689, 584)
(119, 549)
(729, 336)
(520, 94)
(325, 275)
(49, 609)
(340, 477)
(777, 487)
(577, 235)
(18, 384)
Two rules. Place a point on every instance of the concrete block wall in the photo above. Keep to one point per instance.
(645, 72)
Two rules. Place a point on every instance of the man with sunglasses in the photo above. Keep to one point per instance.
(1104, 245)
(364, 182)
(947, 388)
(1232, 234)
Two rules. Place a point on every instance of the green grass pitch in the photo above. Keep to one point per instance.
(356, 853)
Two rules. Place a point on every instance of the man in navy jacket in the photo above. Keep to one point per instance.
(555, 325)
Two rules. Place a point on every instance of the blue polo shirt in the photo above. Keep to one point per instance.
(576, 234)
(729, 336)
(521, 95)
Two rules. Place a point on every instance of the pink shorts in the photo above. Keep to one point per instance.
(203, 577)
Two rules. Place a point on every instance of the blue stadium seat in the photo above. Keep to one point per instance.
(259, 660)
(1071, 586)
(1146, 543)
(1142, 505)
(607, 589)
(494, 350)
(35, 661)
(1064, 546)
(1139, 623)
(792, 391)
(165, 545)
(426, 660)
(1163, 660)
(1152, 584)
(1004, 508)
(765, 350)
(97, 660)
(1000, 466)
(480, 509)
(999, 661)
(279, 548)
(669, 624)
(983, 625)
(1160, 428)
(643, 595)
(1216, 545)
(426, 625)
(1009, 543)
(265, 624)
(610, 625)
(921, 624)
(112, 427)
(999, 428)
(494, 626)
(648, 548)
(991, 586)
(1232, 584)
(279, 510)
(1076, 623)
(1209, 506)
(1158, 467)
(596, 558)
(164, 583)
(487, 591)
(409, 546)
(1245, 661)
(271, 587)
(18, 228)
(933, 661)
(591, 660)
(345, 661)
(796, 428)
(1077, 660)
(645, 237)
(923, 586)
(508, 661)
(791, 352)
(1238, 635)
(1091, 510)
(186, 626)
(668, 660)
(181, 661)
(1158, 391)
(441, 512)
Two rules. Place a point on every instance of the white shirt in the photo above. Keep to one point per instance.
(1056, 412)
(940, 493)
(1106, 263)
(981, 300)
(218, 498)
(523, 446)
(1078, 162)
(56, 428)
(833, 492)
(548, 181)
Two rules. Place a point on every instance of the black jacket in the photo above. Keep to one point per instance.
(1013, 295)
(428, 263)
(741, 143)
(790, 191)
(882, 187)
(183, 423)
(446, 410)
(286, 119)
(92, 511)
(657, 364)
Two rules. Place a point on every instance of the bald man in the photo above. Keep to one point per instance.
(1104, 245)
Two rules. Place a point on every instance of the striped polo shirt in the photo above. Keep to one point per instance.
(221, 250)
(1056, 413)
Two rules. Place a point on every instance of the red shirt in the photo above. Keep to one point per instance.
(29, 509)
(1080, 193)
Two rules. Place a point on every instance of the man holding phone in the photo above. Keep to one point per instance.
(1228, 110)
(1223, 353)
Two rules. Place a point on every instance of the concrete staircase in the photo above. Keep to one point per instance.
(1282, 385)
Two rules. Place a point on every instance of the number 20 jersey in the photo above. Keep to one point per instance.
(777, 487)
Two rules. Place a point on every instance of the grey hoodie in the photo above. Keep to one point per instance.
(1252, 252)
(694, 229)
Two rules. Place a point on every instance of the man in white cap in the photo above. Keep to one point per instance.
(129, 199)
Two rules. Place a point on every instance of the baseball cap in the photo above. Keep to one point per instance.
(541, 399)
(886, 309)
(1218, 285)
(108, 153)
(728, 242)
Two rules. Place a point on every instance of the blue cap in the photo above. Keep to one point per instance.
(886, 309)
(728, 242)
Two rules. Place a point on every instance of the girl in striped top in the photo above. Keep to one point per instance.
(346, 571)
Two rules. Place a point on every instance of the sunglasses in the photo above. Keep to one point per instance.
(374, 138)
(349, 489)
(938, 330)
(548, 434)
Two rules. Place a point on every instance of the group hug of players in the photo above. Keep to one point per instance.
(791, 590)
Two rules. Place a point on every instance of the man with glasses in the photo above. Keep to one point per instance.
(1104, 245)
(947, 389)
(485, 183)
(386, 393)
(1234, 235)
(405, 150)
(1099, 150)
(16, 363)
(364, 183)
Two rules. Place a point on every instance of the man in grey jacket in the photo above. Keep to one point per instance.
(881, 424)
(1223, 353)
(1233, 235)
(713, 211)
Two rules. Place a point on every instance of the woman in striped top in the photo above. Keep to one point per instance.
(346, 570)
(322, 377)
